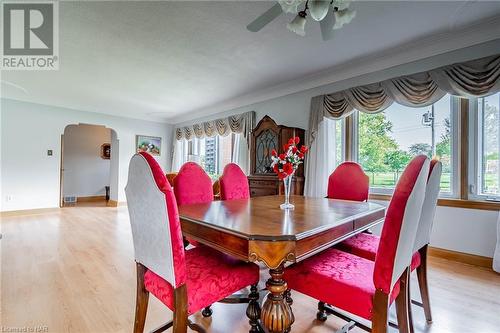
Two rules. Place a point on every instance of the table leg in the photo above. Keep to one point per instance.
(276, 315)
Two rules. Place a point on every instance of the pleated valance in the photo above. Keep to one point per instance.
(240, 123)
(474, 78)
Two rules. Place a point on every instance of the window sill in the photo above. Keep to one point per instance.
(444, 202)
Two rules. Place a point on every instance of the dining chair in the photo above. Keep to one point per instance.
(192, 185)
(185, 281)
(360, 286)
(170, 177)
(233, 183)
(348, 182)
(366, 245)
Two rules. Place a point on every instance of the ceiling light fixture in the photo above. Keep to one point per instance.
(332, 15)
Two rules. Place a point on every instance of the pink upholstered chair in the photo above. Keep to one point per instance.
(366, 245)
(348, 182)
(185, 281)
(363, 287)
(192, 185)
(233, 183)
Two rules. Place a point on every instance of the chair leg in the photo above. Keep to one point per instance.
(410, 314)
(181, 311)
(380, 312)
(422, 283)
(207, 312)
(253, 309)
(402, 304)
(141, 301)
(321, 315)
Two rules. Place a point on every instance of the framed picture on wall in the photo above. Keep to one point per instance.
(149, 144)
(106, 151)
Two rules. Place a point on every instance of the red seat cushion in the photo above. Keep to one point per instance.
(211, 276)
(338, 278)
(366, 246)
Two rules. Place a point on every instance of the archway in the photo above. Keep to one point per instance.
(89, 166)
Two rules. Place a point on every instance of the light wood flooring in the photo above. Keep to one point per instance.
(73, 271)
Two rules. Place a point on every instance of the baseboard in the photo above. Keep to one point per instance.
(465, 258)
(92, 198)
(112, 203)
(24, 212)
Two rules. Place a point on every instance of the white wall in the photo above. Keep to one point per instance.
(86, 173)
(463, 230)
(28, 130)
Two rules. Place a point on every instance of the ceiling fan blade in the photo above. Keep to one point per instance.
(327, 26)
(261, 21)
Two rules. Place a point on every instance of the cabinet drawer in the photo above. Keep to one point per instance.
(262, 183)
(261, 191)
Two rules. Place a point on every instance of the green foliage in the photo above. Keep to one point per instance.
(420, 149)
(397, 160)
(374, 141)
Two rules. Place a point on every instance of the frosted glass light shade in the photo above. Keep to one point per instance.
(343, 17)
(298, 24)
(318, 9)
(290, 6)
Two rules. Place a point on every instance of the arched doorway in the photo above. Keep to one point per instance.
(89, 166)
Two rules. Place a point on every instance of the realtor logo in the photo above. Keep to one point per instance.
(30, 36)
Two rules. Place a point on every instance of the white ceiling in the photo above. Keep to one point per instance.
(173, 61)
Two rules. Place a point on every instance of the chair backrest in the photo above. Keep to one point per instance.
(233, 183)
(400, 227)
(192, 185)
(156, 229)
(429, 207)
(348, 182)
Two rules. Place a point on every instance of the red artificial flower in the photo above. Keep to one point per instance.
(294, 149)
(301, 156)
(288, 168)
(282, 175)
(286, 146)
(273, 152)
(297, 140)
(276, 169)
(282, 156)
(303, 149)
(291, 141)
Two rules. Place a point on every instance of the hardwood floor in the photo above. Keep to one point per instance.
(73, 271)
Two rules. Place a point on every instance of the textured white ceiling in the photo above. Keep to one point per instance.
(172, 60)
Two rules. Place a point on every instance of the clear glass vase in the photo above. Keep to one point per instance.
(287, 182)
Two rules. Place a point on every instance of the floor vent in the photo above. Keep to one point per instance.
(70, 199)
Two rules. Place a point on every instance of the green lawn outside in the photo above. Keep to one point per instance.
(387, 180)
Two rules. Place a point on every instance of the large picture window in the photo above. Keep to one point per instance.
(486, 148)
(387, 141)
(213, 154)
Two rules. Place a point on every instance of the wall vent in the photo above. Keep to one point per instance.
(70, 199)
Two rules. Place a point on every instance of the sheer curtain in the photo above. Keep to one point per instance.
(321, 160)
(179, 154)
(241, 154)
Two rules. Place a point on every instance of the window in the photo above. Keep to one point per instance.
(386, 142)
(487, 147)
(213, 154)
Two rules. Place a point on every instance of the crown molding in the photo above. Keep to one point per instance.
(434, 45)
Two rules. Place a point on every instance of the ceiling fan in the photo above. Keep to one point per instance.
(332, 15)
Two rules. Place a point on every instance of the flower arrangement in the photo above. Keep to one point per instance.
(285, 164)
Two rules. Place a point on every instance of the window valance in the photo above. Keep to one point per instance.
(240, 123)
(474, 78)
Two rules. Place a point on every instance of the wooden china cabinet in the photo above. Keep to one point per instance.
(265, 137)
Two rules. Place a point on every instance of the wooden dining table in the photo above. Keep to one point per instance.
(257, 230)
